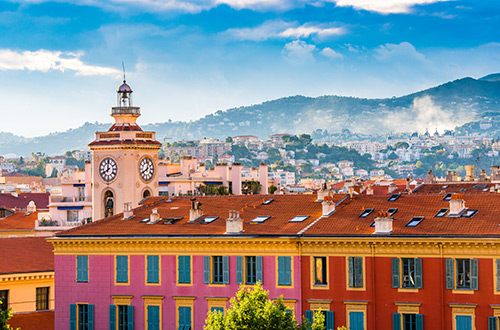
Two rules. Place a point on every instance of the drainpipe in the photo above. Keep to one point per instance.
(374, 314)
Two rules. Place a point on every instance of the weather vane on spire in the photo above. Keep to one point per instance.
(123, 66)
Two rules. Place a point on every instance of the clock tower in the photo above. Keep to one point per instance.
(124, 160)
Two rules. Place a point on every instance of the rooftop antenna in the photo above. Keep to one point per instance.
(123, 66)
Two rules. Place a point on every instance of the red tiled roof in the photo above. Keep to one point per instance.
(125, 127)
(33, 321)
(19, 221)
(127, 141)
(25, 255)
(21, 201)
(282, 210)
(455, 187)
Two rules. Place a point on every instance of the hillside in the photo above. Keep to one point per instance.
(446, 106)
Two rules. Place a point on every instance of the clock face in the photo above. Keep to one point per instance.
(146, 169)
(108, 169)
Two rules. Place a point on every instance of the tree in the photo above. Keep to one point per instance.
(272, 189)
(252, 309)
(229, 139)
(5, 315)
(54, 173)
(402, 145)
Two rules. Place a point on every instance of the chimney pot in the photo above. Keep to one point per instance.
(383, 223)
(234, 224)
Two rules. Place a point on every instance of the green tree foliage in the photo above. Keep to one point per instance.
(229, 139)
(251, 309)
(272, 189)
(393, 156)
(5, 316)
(73, 161)
(54, 173)
(251, 188)
(402, 145)
(240, 152)
(318, 321)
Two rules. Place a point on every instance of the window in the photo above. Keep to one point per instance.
(42, 298)
(447, 197)
(299, 218)
(4, 298)
(81, 317)
(392, 211)
(250, 272)
(153, 269)
(394, 197)
(82, 268)
(153, 316)
(284, 270)
(72, 215)
(414, 221)
(462, 274)
(441, 213)
(403, 321)
(355, 272)
(468, 213)
(121, 269)
(407, 273)
(261, 218)
(184, 318)
(493, 323)
(210, 219)
(217, 310)
(268, 201)
(356, 321)
(81, 194)
(184, 269)
(365, 213)
(479, 186)
(463, 322)
(462, 190)
(125, 320)
(320, 271)
(216, 269)
(329, 318)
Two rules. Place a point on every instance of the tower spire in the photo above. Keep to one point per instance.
(123, 66)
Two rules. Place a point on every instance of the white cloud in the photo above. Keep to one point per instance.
(404, 50)
(384, 6)
(298, 52)
(278, 29)
(46, 60)
(331, 54)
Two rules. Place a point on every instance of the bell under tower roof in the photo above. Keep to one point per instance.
(125, 113)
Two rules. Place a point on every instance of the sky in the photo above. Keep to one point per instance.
(61, 61)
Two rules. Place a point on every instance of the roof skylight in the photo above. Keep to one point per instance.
(441, 213)
(144, 220)
(444, 187)
(210, 219)
(268, 201)
(392, 211)
(480, 186)
(261, 218)
(365, 213)
(394, 197)
(414, 221)
(468, 213)
(462, 190)
(171, 221)
(447, 197)
(299, 218)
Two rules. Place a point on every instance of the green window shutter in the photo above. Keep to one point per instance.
(351, 271)
(492, 322)
(184, 318)
(309, 317)
(72, 317)
(130, 317)
(396, 321)
(395, 272)
(153, 269)
(281, 270)
(420, 321)
(450, 281)
(82, 271)
(91, 317)
(288, 271)
(206, 269)
(112, 317)
(185, 269)
(498, 274)
(358, 271)
(180, 269)
(418, 273)
(122, 269)
(474, 274)
(225, 269)
(356, 321)
(239, 269)
(329, 320)
(153, 318)
(259, 269)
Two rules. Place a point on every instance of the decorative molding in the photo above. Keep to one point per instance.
(152, 300)
(121, 300)
(408, 307)
(315, 304)
(27, 277)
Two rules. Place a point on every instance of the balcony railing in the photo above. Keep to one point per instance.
(70, 199)
(126, 110)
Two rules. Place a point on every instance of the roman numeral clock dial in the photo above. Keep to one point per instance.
(108, 169)
(146, 169)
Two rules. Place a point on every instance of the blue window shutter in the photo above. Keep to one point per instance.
(498, 274)
(473, 274)
(450, 281)
(288, 271)
(356, 320)
(259, 269)
(206, 269)
(225, 269)
(153, 318)
(351, 271)
(82, 271)
(396, 321)
(91, 316)
(281, 270)
(420, 321)
(464, 322)
(181, 269)
(181, 318)
(395, 272)
(239, 269)
(187, 272)
(184, 269)
(122, 269)
(72, 317)
(329, 320)
(153, 269)
(492, 322)
(130, 317)
(418, 273)
(309, 317)
(112, 317)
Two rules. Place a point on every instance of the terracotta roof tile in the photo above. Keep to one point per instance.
(33, 321)
(21, 201)
(127, 141)
(455, 187)
(19, 221)
(26, 255)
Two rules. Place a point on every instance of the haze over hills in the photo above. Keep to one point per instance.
(443, 107)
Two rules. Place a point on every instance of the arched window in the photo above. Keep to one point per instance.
(146, 193)
(109, 204)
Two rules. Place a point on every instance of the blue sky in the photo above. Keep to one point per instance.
(60, 61)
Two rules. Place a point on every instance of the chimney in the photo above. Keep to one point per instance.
(469, 172)
(408, 180)
(495, 173)
(483, 176)
(155, 216)
(263, 179)
(31, 207)
(127, 211)
(195, 212)
(449, 176)
(430, 178)
(322, 193)
(236, 178)
(234, 224)
(369, 190)
(392, 188)
(457, 204)
(383, 223)
(328, 206)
